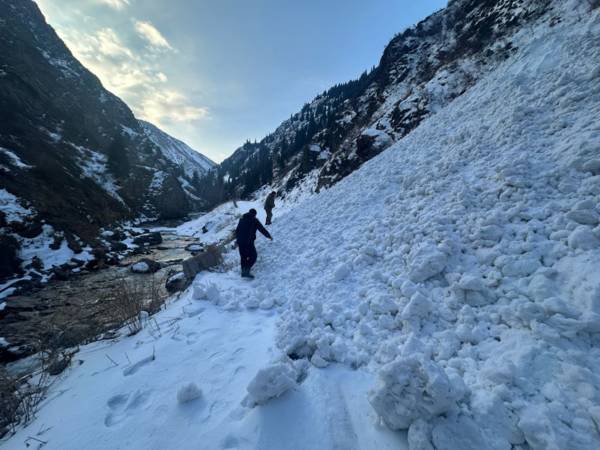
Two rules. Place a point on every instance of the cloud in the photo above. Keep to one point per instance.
(135, 75)
(149, 32)
(170, 106)
(116, 4)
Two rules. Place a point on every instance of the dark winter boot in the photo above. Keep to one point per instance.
(246, 274)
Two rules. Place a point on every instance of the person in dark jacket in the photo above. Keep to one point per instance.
(269, 205)
(245, 235)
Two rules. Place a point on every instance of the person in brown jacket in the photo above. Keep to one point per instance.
(269, 205)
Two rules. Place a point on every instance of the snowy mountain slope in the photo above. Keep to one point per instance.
(463, 260)
(422, 69)
(459, 267)
(179, 153)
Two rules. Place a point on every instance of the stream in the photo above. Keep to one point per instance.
(72, 312)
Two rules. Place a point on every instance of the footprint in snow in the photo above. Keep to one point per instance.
(124, 405)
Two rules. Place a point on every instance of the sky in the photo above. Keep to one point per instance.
(215, 73)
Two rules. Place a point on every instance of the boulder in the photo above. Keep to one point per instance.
(154, 238)
(145, 265)
(207, 259)
(176, 283)
(118, 247)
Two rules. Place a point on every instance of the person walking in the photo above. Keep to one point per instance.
(269, 205)
(245, 235)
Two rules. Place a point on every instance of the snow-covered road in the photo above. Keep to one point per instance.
(134, 405)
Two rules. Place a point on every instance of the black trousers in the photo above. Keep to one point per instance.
(247, 254)
(269, 216)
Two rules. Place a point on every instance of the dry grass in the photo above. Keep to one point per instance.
(131, 301)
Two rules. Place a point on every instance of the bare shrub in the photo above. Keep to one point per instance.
(130, 299)
(9, 402)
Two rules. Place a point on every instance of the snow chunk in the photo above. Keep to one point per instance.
(411, 389)
(426, 263)
(188, 393)
(206, 291)
(583, 238)
(271, 382)
(342, 271)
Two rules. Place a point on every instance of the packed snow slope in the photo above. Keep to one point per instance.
(456, 272)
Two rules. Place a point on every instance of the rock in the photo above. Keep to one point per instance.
(372, 142)
(205, 260)
(118, 247)
(37, 264)
(10, 263)
(57, 241)
(583, 238)
(99, 252)
(27, 230)
(62, 273)
(73, 243)
(176, 283)
(154, 238)
(145, 265)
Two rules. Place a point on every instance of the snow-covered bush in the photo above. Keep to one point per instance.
(271, 382)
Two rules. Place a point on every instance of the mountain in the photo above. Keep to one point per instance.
(443, 296)
(178, 152)
(72, 155)
(422, 70)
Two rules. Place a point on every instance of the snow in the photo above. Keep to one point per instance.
(140, 267)
(176, 151)
(188, 393)
(271, 382)
(15, 161)
(94, 166)
(39, 247)
(12, 208)
(444, 293)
